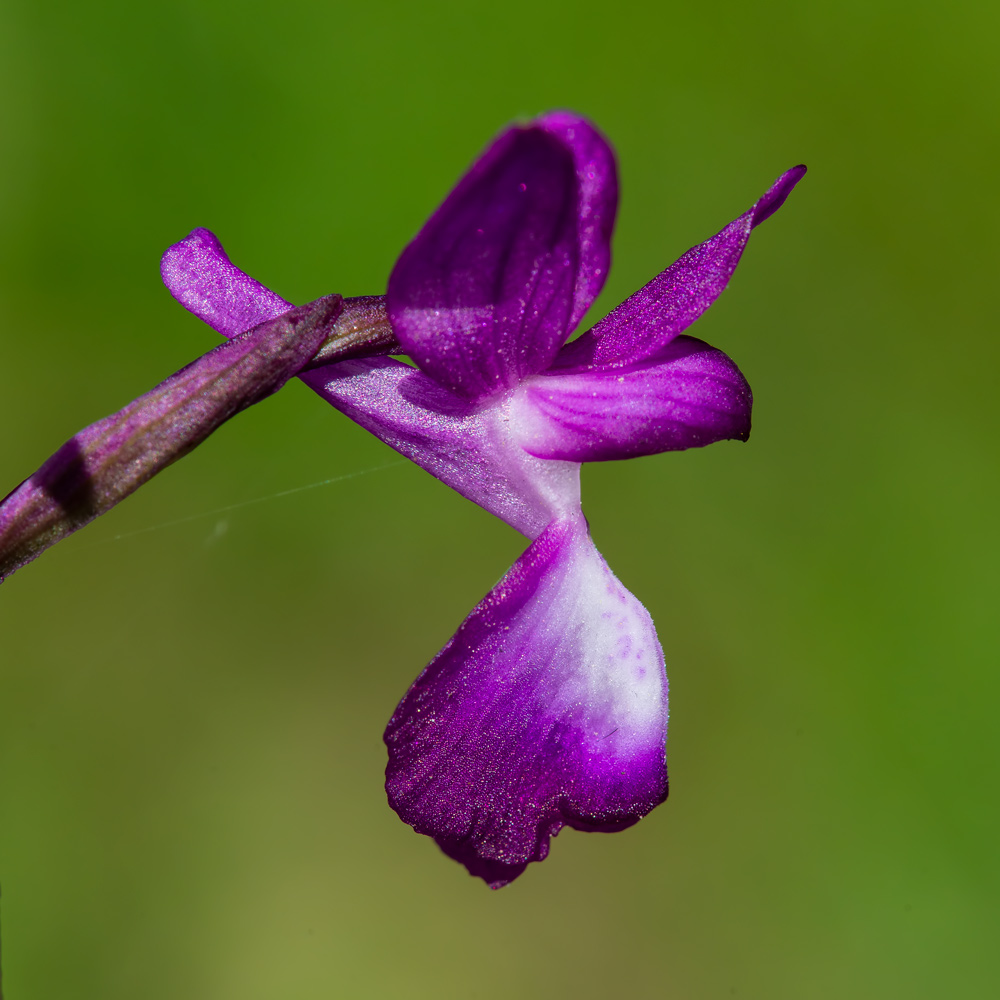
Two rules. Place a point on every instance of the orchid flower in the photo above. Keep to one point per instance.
(548, 707)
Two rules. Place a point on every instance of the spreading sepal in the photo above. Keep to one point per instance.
(200, 276)
(665, 307)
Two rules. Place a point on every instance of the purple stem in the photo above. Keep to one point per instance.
(102, 464)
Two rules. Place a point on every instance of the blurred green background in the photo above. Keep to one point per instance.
(192, 697)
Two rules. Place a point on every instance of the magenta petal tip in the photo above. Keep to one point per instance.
(776, 194)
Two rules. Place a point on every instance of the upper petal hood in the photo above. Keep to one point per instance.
(547, 708)
(490, 288)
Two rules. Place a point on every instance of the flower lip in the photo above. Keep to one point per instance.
(547, 708)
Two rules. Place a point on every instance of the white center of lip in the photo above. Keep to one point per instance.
(608, 666)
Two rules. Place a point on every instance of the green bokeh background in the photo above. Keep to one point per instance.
(192, 697)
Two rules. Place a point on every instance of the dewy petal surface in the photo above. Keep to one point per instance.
(686, 396)
(199, 274)
(666, 306)
(468, 446)
(547, 708)
(487, 291)
(597, 175)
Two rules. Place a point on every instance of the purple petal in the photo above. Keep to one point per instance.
(470, 448)
(597, 174)
(199, 274)
(687, 395)
(672, 301)
(486, 292)
(547, 708)
(105, 462)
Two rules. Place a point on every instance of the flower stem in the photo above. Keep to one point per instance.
(105, 462)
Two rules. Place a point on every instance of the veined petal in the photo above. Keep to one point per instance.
(672, 301)
(469, 447)
(687, 395)
(199, 274)
(487, 291)
(597, 174)
(547, 708)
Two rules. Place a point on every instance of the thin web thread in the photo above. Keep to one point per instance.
(248, 503)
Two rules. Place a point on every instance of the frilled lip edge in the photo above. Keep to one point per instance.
(547, 708)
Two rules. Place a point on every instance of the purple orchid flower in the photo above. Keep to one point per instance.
(548, 707)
